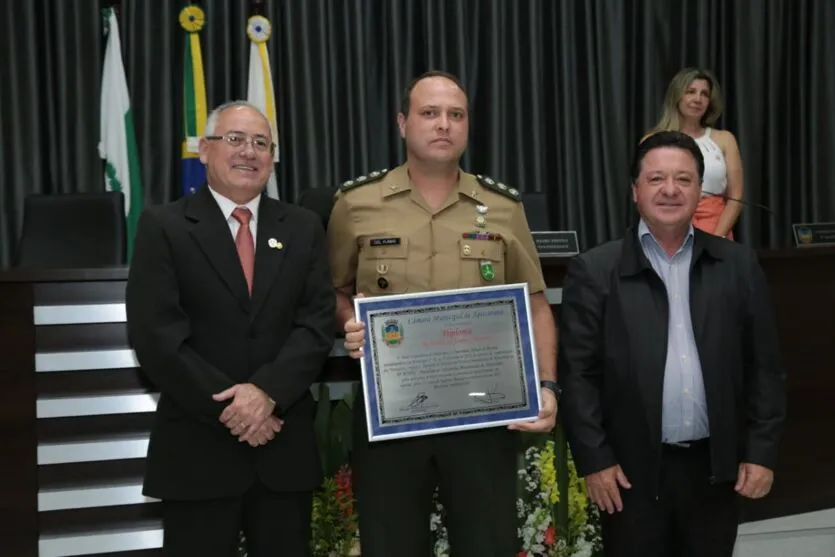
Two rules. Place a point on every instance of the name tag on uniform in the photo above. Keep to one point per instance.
(373, 242)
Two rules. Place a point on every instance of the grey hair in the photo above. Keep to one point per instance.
(211, 121)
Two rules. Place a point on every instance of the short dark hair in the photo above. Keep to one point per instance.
(406, 100)
(674, 139)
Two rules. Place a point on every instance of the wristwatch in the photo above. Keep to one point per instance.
(552, 386)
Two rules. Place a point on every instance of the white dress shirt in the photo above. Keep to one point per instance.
(227, 206)
(684, 406)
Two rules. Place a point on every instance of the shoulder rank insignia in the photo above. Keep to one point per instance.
(498, 187)
(362, 180)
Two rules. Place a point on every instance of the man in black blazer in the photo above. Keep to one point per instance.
(230, 311)
(673, 393)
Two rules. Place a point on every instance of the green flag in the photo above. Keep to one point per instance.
(118, 140)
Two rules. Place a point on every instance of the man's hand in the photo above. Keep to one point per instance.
(603, 488)
(354, 338)
(263, 434)
(547, 418)
(753, 481)
(249, 409)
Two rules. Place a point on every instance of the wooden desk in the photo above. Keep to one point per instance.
(802, 283)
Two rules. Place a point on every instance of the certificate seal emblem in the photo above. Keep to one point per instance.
(393, 333)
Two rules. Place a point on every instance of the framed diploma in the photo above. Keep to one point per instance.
(449, 360)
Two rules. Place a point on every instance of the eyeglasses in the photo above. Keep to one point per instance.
(238, 139)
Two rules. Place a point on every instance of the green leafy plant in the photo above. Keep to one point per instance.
(333, 427)
(334, 522)
(555, 518)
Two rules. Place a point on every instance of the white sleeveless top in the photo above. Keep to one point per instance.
(716, 172)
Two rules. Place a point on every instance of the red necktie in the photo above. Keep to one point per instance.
(245, 244)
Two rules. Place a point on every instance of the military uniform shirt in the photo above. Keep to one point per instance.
(384, 238)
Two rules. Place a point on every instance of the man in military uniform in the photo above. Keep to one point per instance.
(421, 227)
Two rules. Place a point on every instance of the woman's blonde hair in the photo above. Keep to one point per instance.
(670, 115)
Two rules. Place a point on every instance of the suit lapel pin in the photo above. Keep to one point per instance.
(275, 244)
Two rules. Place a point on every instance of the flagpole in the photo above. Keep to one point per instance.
(117, 143)
(116, 5)
(194, 108)
(260, 90)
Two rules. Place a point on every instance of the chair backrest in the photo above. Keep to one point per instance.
(536, 211)
(320, 201)
(73, 231)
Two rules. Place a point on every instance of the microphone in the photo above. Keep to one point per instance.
(740, 201)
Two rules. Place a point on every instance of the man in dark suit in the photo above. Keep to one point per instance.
(230, 311)
(673, 394)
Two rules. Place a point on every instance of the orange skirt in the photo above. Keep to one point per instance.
(707, 214)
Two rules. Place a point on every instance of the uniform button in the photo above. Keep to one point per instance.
(684, 356)
(383, 283)
(686, 391)
(687, 422)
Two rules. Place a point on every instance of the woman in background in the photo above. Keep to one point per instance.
(692, 105)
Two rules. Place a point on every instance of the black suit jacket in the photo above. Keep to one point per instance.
(613, 347)
(196, 331)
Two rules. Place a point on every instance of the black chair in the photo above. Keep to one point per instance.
(536, 211)
(74, 230)
(320, 201)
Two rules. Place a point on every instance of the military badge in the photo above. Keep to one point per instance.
(480, 220)
(488, 272)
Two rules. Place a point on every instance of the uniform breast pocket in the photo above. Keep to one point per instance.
(382, 265)
(482, 262)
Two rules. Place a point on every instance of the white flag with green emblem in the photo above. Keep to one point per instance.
(118, 140)
(260, 91)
